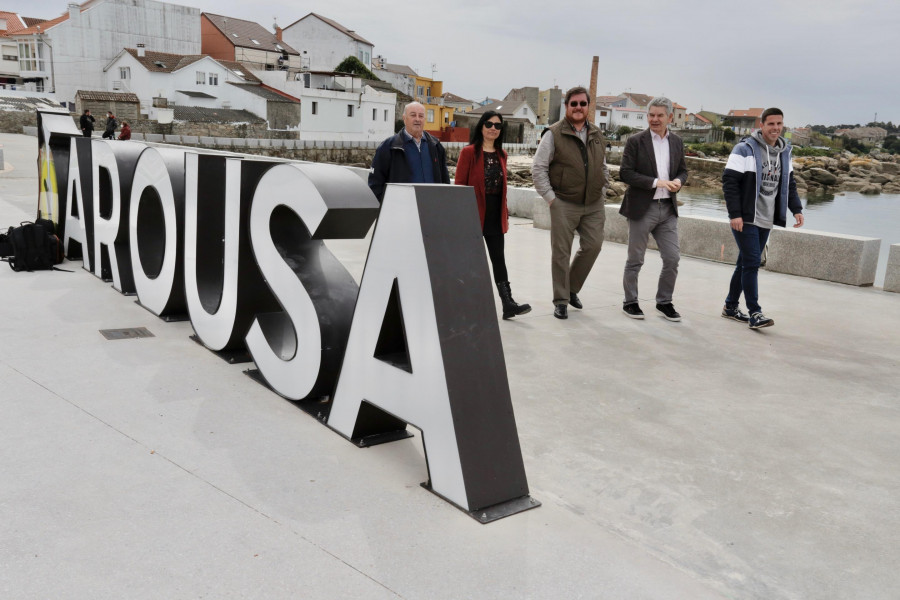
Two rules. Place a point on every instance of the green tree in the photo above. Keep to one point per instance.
(624, 130)
(353, 65)
(730, 135)
(892, 144)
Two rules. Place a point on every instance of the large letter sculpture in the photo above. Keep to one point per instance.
(113, 167)
(156, 221)
(298, 350)
(425, 348)
(55, 130)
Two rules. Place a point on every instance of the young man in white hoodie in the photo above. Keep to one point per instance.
(759, 188)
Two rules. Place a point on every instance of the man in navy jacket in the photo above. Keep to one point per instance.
(410, 156)
(759, 188)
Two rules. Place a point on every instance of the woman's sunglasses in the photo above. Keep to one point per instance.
(490, 124)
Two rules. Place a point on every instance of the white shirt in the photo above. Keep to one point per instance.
(661, 153)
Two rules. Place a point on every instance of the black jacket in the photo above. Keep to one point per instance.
(87, 122)
(638, 170)
(389, 164)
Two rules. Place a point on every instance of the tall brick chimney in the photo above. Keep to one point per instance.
(592, 107)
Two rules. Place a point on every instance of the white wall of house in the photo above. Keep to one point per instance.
(85, 42)
(326, 114)
(401, 82)
(323, 45)
(602, 116)
(9, 58)
(635, 118)
(126, 74)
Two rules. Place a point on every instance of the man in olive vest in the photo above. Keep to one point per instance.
(570, 173)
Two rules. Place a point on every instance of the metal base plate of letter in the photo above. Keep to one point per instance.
(496, 512)
(232, 357)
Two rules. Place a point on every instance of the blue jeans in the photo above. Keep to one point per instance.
(751, 242)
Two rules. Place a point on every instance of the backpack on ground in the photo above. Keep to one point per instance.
(32, 246)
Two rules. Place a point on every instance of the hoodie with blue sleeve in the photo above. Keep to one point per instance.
(758, 182)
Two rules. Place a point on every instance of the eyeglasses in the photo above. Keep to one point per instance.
(574, 103)
(490, 124)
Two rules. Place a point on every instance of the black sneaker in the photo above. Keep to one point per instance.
(575, 301)
(633, 310)
(668, 311)
(735, 313)
(759, 320)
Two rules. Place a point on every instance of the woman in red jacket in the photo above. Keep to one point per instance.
(482, 164)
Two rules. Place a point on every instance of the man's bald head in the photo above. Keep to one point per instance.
(414, 119)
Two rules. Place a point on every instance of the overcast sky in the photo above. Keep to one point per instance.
(821, 61)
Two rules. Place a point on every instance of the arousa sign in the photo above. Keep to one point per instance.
(237, 244)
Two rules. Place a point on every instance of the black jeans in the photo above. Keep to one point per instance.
(498, 260)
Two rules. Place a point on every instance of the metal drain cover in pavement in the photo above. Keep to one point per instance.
(126, 334)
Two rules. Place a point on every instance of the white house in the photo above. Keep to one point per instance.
(324, 43)
(602, 115)
(509, 109)
(337, 108)
(68, 53)
(401, 77)
(636, 118)
(163, 80)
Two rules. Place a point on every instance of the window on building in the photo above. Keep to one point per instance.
(385, 114)
(7, 56)
(124, 72)
(349, 110)
(446, 118)
(430, 117)
(315, 108)
(602, 113)
(201, 77)
(374, 114)
(420, 90)
(368, 57)
(625, 116)
(213, 79)
(640, 117)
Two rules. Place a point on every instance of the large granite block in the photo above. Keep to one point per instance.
(206, 140)
(172, 138)
(707, 237)
(616, 227)
(252, 142)
(520, 201)
(153, 137)
(239, 142)
(834, 257)
(892, 274)
(29, 130)
(540, 213)
(137, 137)
(223, 142)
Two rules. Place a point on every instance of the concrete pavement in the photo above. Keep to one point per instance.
(674, 460)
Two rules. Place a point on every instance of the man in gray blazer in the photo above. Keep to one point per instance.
(654, 169)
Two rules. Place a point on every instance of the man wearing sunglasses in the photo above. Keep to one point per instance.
(570, 173)
(653, 167)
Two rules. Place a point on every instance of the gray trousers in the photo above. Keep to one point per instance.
(565, 219)
(660, 220)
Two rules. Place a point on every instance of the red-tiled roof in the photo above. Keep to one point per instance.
(750, 112)
(247, 34)
(13, 23)
(607, 100)
(337, 26)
